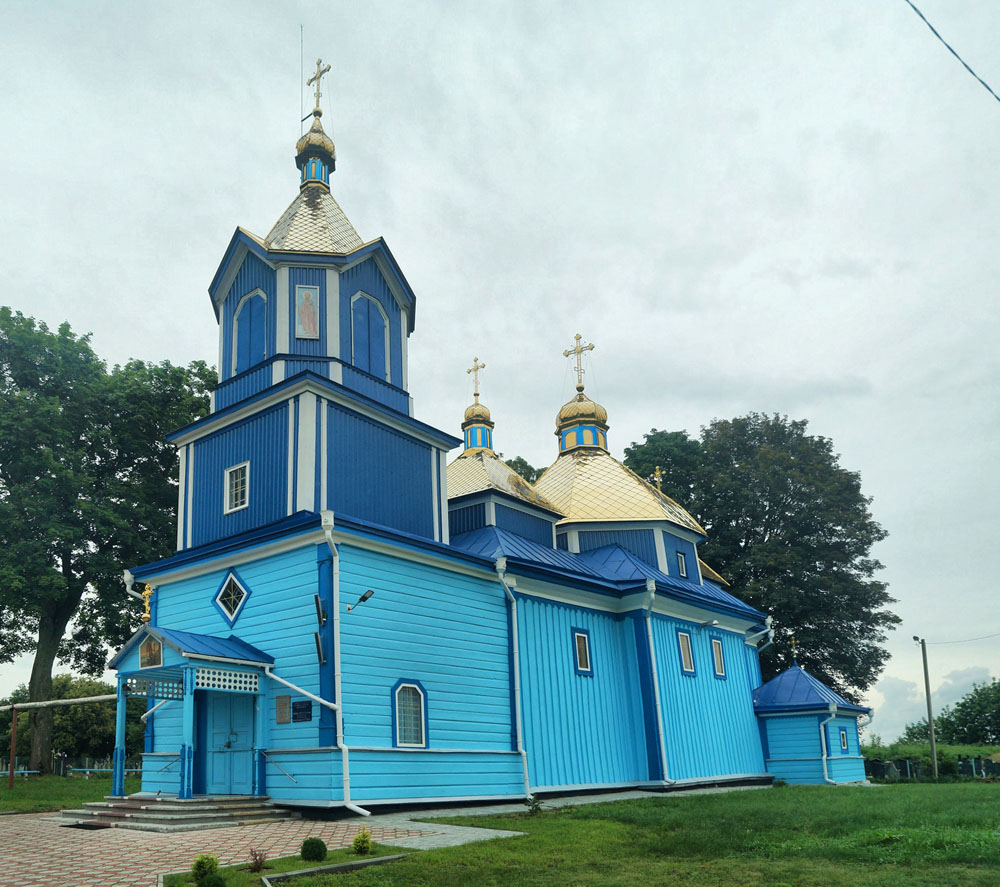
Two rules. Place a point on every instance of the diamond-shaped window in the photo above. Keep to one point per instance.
(231, 597)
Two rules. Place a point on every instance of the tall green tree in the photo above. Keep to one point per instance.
(86, 487)
(973, 720)
(791, 530)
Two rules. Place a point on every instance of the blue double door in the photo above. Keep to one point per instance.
(227, 734)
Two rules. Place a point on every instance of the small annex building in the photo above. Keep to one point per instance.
(351, 620)
(809, 733)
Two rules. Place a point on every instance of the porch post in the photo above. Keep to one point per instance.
(187, 741)
(260, 743)
(118, 761)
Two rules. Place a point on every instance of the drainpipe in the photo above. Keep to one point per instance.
(651, 588)
(770, 634)
(870, 716)
(159, 704)
(501, 568)
(344, 750)
(129, 583)
(822, 739)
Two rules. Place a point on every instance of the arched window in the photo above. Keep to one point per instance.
(249, 322)
(369, 336)
(409, 715)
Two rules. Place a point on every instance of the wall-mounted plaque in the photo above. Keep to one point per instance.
(150, 653)
(302, 711)
(282, 709)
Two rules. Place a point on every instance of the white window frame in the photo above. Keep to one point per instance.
(589, 667)
(422, 720)
(385, 326)
(225, 488)
(718, 658)
(681, 637)
(231, 577)
(682, 569)
(843, 739)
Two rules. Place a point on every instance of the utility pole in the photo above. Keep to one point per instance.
(930, 714)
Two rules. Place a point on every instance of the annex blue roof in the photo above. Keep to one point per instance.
(797, 690)
(197, 646)
(610, 565)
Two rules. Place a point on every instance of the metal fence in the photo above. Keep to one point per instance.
(82, 767)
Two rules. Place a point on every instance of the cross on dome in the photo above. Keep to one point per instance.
(658, 476)
(317, 78)
(474, 369)
(578, 350)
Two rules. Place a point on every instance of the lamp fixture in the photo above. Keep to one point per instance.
(361, 600)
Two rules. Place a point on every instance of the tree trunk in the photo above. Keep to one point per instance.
(51, 628)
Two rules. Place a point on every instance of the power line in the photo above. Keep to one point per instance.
(967, 68)
(968, 640)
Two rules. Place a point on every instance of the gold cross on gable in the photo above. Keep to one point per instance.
(146, 594)
(317, 77)
(658, 476)
(578, 350)
(474, 369)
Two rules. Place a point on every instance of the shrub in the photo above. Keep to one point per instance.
(257, 860)
(212, 880)
(313, 850)
(534, 805)
(362, 844)
(204, 866)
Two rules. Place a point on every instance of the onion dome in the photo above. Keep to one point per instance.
(315, 154)
(582, 423)
(478, 426)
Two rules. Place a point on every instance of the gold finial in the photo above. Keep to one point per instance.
(658, 476)
(578, 350)
(320, 71)
(146, 595)
(474, 369)
(795, 649)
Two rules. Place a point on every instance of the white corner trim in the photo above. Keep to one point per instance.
(324, 458)
(277, 372)
(332, 313)
(661, 552)
(181, 494)
(282, 343)
(435, 492)
(443, 476)
(306, 481)
(404, 350)
(190, 493)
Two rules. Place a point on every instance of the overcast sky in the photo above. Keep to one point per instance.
(772, 206)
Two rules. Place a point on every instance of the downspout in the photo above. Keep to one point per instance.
(159, 704)
(651, 588)
(770, 634)
(344, 750)
(129, 580)
(870, 716)
(822, 739)
(501, 568)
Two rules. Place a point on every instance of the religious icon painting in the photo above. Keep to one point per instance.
(150, 653)
(307, 312)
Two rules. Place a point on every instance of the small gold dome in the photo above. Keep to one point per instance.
(315, 140)
(477, 412)
(582, 408)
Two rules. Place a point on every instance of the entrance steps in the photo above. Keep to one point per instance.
(149, 813)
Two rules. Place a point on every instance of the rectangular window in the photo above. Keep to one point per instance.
(687, 657)
(718, 659)
(843, 740)
(682, 569)
(409, 716)
(581, 645)
(237, 487)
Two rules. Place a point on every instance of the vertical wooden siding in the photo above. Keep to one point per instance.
(378, 474)
(709, 724)
(368, 279)
(263, 440)
(639, 542)
(579, 730)
(253, 274)
(528, 525)
(464, 520)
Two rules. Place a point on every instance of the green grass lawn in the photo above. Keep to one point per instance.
(39, 793)
(237, 876)
(804, 836)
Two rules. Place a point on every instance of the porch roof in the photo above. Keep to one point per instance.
(198, 646)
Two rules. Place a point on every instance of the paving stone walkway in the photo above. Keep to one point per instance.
(35, 851)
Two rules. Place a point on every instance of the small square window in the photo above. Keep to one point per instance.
(687, 657)
(682, 569)
(581, 646)
(237, 487)
(718, 659)
(843, 740)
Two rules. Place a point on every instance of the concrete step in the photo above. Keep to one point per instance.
(148, 813)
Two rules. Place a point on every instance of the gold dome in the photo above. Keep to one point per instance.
(582, 409)
(316, 140)
(478, 412)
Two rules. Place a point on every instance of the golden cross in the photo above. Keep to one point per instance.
(578, 351)
(320, 71)
(146, 595)
(474, 369)
(795, 648)
(658, 476)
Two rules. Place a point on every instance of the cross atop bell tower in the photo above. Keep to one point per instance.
(474, 369)
(578, 350)
(316, 78)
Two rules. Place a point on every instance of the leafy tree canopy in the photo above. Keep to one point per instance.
(791, 530)
(86, 488)
(973, 720)
(522, 467)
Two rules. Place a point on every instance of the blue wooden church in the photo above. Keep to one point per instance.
(351, 620)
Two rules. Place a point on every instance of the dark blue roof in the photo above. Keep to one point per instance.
(197, 646)
(797, 690)
(610, 565)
